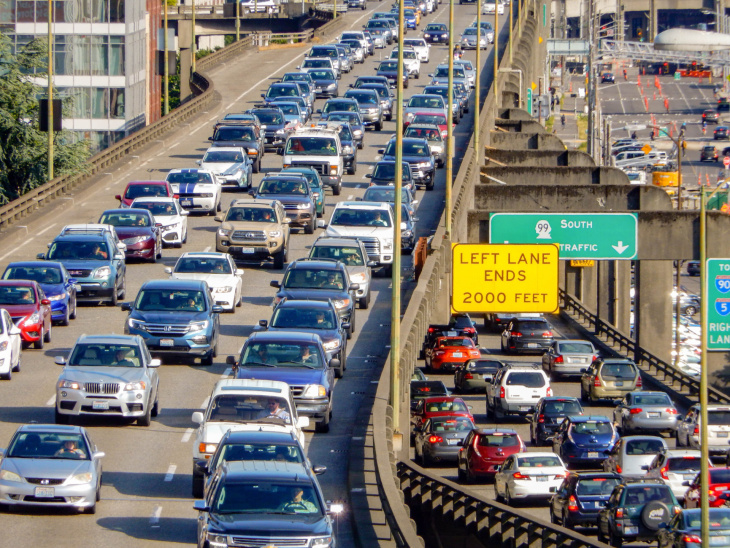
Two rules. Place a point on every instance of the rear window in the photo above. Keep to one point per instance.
(684, 463)
(596, 486)
(652, 399)
(644, 447)
(579, 348)
(484, 364)
(528, 379)
(446, 406)
(452, 425)
(721, 475)
(532, 326)
(428, 388)
(718, 418)
(567, 407)
(498, 440)
(456, 342)
(638, 496)
(593, 428)
(538, 462)
(619, 371)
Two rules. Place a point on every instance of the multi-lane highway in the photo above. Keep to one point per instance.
(146, 493)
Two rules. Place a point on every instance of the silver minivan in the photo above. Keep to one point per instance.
(632, 455)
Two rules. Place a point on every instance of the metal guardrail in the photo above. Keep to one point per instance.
(676, 380)
(490, 522)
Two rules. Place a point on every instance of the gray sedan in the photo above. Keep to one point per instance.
(568, 357)
(439, 439)
(47, 465)
(646, 412)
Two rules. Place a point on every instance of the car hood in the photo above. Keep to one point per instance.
(19, 310)
(223, 168)
(213, 280)
(213, 432)
(169, 317)
(269, 526)
(361, 231)
(102, 373)
(46, 468)
(51, 289)
(313, 294)
(191, 188)
(292, 198)
(125, 232)
(409, 159)
(77, 264)
(290, 375)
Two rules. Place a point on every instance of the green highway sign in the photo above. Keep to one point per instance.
(579, 235)
(718, 304)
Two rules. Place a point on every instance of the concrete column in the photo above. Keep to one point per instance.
(623, 298)
(589, 289)
(605, 290)
(572, 279)
(653, 309)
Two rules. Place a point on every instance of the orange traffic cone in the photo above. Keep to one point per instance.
(570, 90)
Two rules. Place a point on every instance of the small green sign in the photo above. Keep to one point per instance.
(528, 106)
(677, 75)
(580, 236)
(718, 304)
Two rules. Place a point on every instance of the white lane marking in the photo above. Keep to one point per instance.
(205, 403)
(155, 517)
(207, 249)
(170, 472)
(46, 229)
(52, 401)
(227, 373)
(187, 435)
(257, 84)
(350, 197)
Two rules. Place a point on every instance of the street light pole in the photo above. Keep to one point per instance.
(449, 123)
(193, 45)
(50, 90)
(477, 81)
(165, 70)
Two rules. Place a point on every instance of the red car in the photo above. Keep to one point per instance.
(719, 485)
(431, 118)
(137, 229)
(440, 406)
(448, 353)
(484, 450)
(144, 189)
(29, 309)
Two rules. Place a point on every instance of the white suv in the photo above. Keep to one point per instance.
(516, 389)
(718, 429)
(243, 405)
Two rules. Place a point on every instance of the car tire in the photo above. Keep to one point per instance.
(429, 186)
(337, 189)
(67, 316)
(461, 474)
(38, 345)
(388, 271)
(47, 335)
(599, 535)
(378, 125)
(72, 314)
(156, 407)
(115, 297)
(146, 419)
(323, 427)
(257, 165)
(508, 500)
(16, 369)
(565, 520)
(364, 301)
(353, 168)
(690, 311)
(60, 418)
(309, 229)
(207, 360)
(490, 411)
(280, 259)
(90, 509)
(7, 376)
(198, 486)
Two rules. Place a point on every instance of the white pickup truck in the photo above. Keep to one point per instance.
(320, 149)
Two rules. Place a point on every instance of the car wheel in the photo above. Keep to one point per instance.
(146, 419)
(323, 427)
(600, 536)
(257, 166)
(364, 302)
(208, 358)
(690, 311)
(115, 297)
(565, 521)
(90, 509)
(679, 439)
(499, 414)
(72, 315)
(60, 418)
(279, 259)
(337, 189)
(533, 440)
(67, 316)
(309, 229)
(39, 343)
(461, 474)
(353, 168)
(490, 411)
(470, 476)
(7, 376)
(615, 541)
(429, 185)
(156, 407)
(185, 236)
(508, 497)
(198, 486)
(47, 336)
(16, 369)
(378, 125)
(553, 519)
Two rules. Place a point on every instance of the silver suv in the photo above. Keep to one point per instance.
(516, 389)
(111, 375)
(354, 255)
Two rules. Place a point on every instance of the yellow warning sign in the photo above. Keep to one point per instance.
(582, 263)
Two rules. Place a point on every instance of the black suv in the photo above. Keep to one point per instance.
(265, 503)
(295, 194)
(320, 280)
(549, 413)
(527, 335)
(241, 134)
(275, 126)
(318, 317)
(636, 511)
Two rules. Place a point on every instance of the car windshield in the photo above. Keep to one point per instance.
(309, 146)
(288, 108)
(48, 445)
(644, 447)
(459, 424)
(272, 118)
(339, 106)
(243, 408)
(191, 176)
(281, 354)
(443, 72)
(538, 462)
(322, 74)
(591, 428)
(386, 171)
(388, 65)
(351, 256)
(203, 265)
(410, 148)
(436, 119)
(561, 408)
(251, 214)
(618, 370)
(363, 97)
(158, 209)
(436, 27)
(223, 156)
(526, 378)
(81, 251)
(636, 495)
(532, 326)
(245, 133)
(105, 355)
(125, 219)
(577, 348)
(303, 318)
(323, 52)
(265, 497)
(380, 194)
(593, 487)
(430, 134)
(282, 91)
(258, 451)
(40, 274)
(717, 417)
(300, 278)
(138, 191)
(680, 464)
(283, 186)
(471, 31)
(12, 295)
(344, 216)
(652, 399)
(317, 63)
(185, 300)
(498, 440)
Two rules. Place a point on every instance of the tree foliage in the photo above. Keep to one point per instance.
(23, 147)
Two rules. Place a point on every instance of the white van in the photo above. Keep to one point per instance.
(640, 160)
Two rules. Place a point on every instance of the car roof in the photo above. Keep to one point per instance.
(588, 418)
(251, 386)
(363, 205)
(17, 283)
(284, 336)
(305, 303)
(245, 471)
(204, 254)
(535, 454)
(83, 236)
(128, 210)
(175, 284)
(109, 339)
(260, 202)
(314, 264)
(489, 431)
(44, 264)
(132, 183)
(155, 199)
(261, 436)
(191, 169)
(54, 428)
(336, 241)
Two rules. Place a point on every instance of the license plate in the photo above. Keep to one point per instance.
(525, 408)
(618, 383)
(451, 334)
(592, 455)
(487, 377)
(631, 530)
(186, 203)
(722, 434)
(652, 415)
(457, 354)
(453, 442)
(541, 478)
(167, 342)
(689, 476)
(531, 345)
(45, 492)
(435, 39)
(718, 541)
(100, 405)
(247, 250)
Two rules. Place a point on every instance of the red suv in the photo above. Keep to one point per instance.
(484, 450)
(29, 309)
(145, 189)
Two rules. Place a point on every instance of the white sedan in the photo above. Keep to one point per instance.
(169, 216)
(197, 189)
(218, 270)
(529, 475)
(421, 47)
(491, 7)
(10, 346)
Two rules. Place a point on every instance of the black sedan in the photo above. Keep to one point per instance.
(389, 69)
(417, 153)
(709, 154)
(384, 174)
(436, 33)
(475, 375)
(721, 132)
(277, 128)
(607, 77)
(241, 134)
(353, 118)
(426, 389)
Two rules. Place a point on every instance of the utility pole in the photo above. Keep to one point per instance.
(449, 124)
(193, 45)
(477, 81)
(165, 70)
(590, 133)
(50, 90)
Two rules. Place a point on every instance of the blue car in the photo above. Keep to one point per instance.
(581, 496)
(585, 439)
(410, 19)
(55, 281)
(176, 318)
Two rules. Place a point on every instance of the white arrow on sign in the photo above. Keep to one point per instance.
(620, 248)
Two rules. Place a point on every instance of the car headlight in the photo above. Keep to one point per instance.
(331, 345)
(215, 538)
(357, 132)
(444, 36)
(224, 289)
(321, 542)
(136, 240)
(347, 149)
(58, 297)
(7, 475)
(103, 272)
(224, 233)
(207, 447)
(332, 86)
(274, 233)
(359, 278)
(341, 303)
(314, 391)
(171, 226)
(136, 385)
(33, 318)
(388, 244)
(69, 385)
(79, 479)
(424, 164)
(304, 206)
(198, 326)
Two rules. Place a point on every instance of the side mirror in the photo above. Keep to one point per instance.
(210, 138)
(217, 309)
(345, 326)
(616, 402)
(685, 483)
(201, 466)
(251, 192)
(154, 363)
(98, 455)
(280, 151)
(334, 363)
(584, 370)
(200, 506)
(498, 468)
(645, 467)
(321, 223)
(319, 470)
(126, 307)
(319, 111)
(414, 219)
(274, 283)
(168, 270)
(198, 162)
(118, 197)
(60, 360)
(303, 422)
(218, 219)
(680, 418)
(381, 151)
(368, 175)
(263, 323)
(263, 95)
(354, 287)
(372, 264)
(230, 360)
(45, 302)
(239, 272)
(198, 417)
(40, 256)
(184, 213)
(287, 220)
(553, 489)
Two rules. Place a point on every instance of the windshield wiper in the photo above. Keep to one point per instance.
(259, 363)
(297, 364)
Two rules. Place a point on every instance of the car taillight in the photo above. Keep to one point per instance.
(597, 382)
(619, 469)
(468, 376)
(501, 392)
(435, 439)
(619, 512)
(711, 495)
(697, 431)
(635, 410)
(549, 392)
(558, 359)
(541, 418)
(663, 472)
(517, 475)
(639, 382)
(547, 334)
(670, 411)
(515, 334)
(431, 330)
(691, 539)
(469, 330)
(572, 504)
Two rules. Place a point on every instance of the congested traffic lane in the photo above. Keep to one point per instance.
(147, 471)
